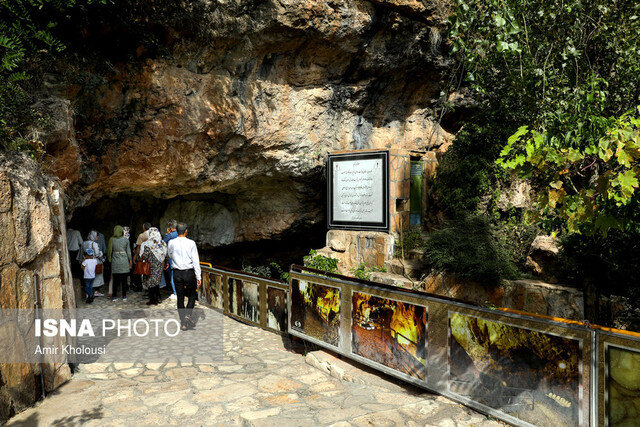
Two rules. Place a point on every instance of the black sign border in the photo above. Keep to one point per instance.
(356, 225)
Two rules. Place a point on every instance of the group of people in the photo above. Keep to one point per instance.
(159, 261)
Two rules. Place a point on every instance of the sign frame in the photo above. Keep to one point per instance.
(622, 340)
(358, 225)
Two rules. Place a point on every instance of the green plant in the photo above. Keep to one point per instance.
(559, 78)
(273, 270)
(259, 270)
(410, 239)
(279, 272)
(590, 187)
(468, 248)
(26, 39)
(320, 262)
(364, 273)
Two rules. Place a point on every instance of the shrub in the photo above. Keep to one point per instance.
(320, 262)
(469, 249)
(273, 271)
(364, 273)
(27, 42)
(410, 238)
(611, 263)
(260, 270)
(279, 272)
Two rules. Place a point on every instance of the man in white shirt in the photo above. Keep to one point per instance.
(74, 243)
(186, 273)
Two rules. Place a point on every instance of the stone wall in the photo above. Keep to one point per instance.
(32, 249)
(532, 296)
(399, 189)
(351, 248)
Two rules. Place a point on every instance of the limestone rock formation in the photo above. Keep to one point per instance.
(32, 248)
(240, 101)
(542, 259)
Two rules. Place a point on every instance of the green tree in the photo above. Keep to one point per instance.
(562, 77)
(26, 38)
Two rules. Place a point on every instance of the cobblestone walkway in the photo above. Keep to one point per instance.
(262, 379)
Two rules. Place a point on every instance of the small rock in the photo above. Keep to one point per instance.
(255, 415)
(337, 245)
(184, 408)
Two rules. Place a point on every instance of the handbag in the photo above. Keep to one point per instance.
(142, 267)
(99, 268)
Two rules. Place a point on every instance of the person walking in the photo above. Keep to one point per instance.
(106, 266)
(74, 244)
(92, 243)
(171, 234)
(183, 254)
(154, 251)
(105, 276)
(89, 267)
(136, 279)
(119, 254)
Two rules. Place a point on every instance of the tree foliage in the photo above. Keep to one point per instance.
(26, 37)
(469, 249)
(565, 77)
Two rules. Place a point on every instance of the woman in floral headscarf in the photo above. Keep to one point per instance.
(153, 250)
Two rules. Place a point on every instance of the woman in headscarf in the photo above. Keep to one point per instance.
(119, 254)
(92, 243)
(154, 251)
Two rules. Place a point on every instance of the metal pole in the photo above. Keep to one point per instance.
(37, 315)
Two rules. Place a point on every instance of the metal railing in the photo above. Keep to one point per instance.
(221, 284)
(523, 368)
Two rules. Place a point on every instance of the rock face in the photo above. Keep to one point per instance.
(542, 259)
(353, 248)
(32, 248)
(240, 101)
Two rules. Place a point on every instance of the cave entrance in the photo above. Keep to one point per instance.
(214, 223)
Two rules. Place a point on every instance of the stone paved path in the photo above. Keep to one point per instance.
(262, 379)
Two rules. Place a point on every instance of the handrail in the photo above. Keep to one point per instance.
(582, 323)
(244, 273)
(381, 285)
(616, 331)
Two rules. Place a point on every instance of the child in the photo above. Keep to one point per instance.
(89, 266)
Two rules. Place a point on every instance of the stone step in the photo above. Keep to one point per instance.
(393, 280)
(352, 371)
(410, 267)
(415, 254)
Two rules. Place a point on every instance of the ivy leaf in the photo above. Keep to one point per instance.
(556, 197)
(557, 185)
(605, 222)
(605, 154)
(623, 157)
(628, 182)
(574, 155)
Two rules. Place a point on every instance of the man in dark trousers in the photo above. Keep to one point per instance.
(186, 273)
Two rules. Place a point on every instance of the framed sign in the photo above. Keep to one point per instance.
(358, 191)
